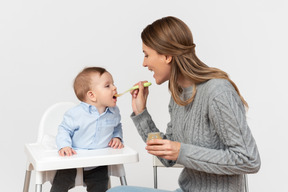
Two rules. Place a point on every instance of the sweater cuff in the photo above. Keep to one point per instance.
(181, 156)
(139, 117)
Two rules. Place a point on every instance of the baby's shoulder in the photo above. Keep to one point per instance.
(74, 110)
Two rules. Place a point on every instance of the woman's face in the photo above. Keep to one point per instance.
(159, 64)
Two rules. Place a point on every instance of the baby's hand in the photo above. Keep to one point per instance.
(66, 151)
(116, 143)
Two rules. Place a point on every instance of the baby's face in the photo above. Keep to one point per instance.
(104, 89)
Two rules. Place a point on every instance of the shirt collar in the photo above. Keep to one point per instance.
(92, 109)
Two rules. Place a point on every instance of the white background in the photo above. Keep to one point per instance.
(44, 44)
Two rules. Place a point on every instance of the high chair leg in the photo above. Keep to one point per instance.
(27, 181)
(38, 188)
(155, 177)
(123, 180)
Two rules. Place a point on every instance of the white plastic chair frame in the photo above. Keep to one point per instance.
(46, 136)
(157, 163)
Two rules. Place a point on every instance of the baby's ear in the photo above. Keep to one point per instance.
(91, 96)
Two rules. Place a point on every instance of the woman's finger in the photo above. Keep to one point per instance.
(164, 148)
(157, 141)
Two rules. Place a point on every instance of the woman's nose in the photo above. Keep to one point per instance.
(144, 64)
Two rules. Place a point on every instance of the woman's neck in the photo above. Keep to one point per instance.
(184, 82)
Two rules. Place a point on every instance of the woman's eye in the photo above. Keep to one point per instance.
(146, 55)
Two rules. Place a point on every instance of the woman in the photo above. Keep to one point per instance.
(208, 133)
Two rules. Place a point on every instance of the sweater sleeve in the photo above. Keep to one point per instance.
(145, 125)
(239, 154)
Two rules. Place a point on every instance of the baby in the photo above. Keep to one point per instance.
(93, 124)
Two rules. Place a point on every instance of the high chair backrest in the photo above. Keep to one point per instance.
(50, 121)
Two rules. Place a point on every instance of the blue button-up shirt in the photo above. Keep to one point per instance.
(84, 128)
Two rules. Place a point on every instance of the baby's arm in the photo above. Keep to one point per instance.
(67, 151)
(116, 143)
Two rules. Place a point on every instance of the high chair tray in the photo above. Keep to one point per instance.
(44, 159)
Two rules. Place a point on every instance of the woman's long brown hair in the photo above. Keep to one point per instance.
(171, 36)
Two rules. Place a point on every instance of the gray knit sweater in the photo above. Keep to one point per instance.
(217, 146)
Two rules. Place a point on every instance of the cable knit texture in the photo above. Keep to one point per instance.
(217, 146)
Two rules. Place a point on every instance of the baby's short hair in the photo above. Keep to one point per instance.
(82, 82)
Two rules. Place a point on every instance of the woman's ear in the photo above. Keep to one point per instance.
(168, 58)
(91, 96)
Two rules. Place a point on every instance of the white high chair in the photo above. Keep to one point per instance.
(43, 157)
